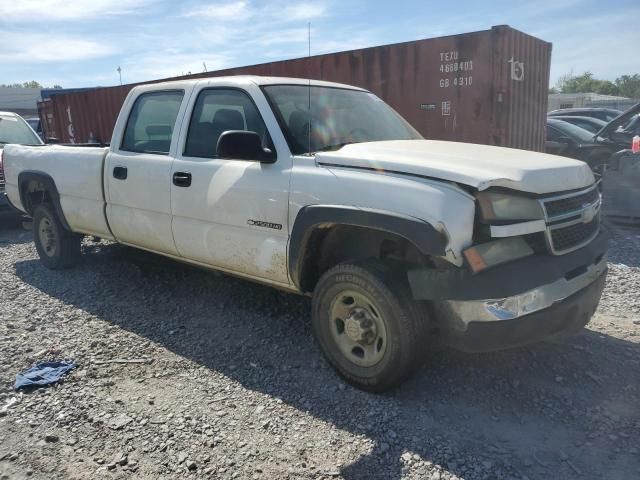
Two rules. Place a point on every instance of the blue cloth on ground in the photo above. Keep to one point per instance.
(43, 374)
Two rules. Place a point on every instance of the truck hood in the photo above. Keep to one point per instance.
(478, 166)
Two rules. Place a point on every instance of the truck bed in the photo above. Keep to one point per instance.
(78, 176)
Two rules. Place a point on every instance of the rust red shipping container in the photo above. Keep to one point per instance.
(486, 87)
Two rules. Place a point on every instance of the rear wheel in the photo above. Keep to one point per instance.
(367, 324)
(57, 247)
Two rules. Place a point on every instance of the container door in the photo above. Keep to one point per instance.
(230, 214)
(138, 170)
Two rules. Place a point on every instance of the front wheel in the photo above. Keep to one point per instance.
(57, 247)
(367, 324)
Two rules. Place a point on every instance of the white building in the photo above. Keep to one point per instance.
(579, 100)
(23, 101)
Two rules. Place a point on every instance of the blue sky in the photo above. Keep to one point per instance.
(81, 43)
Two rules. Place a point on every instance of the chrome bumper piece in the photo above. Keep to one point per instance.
(540, 298)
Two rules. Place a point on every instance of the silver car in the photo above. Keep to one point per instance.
(13, 129)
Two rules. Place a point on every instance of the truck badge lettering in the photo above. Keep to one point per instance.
(259, 223)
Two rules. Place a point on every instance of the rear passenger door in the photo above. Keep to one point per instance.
(137, 174)
(231, 214)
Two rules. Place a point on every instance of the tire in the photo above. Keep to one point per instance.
(57, 247)
(376, 358)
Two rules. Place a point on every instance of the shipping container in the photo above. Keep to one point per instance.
(486, 87)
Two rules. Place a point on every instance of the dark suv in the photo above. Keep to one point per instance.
(604, 114)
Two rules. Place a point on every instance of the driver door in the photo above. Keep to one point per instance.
(230, 214)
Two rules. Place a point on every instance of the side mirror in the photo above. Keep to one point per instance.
(52, 140)
(243, 145)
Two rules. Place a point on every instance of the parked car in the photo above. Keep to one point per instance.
(323, 190)
(13, 129)
(34, 123)
(567, 139)
(591, 124)
(604, 114)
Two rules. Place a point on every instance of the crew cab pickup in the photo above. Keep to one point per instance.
(324, 190)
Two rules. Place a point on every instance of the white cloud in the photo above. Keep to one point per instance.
(41, 10)
(303, 11)
(228, 11)
(169, 64)
(29, 48)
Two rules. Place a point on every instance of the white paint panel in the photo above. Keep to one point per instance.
(479, 166)
(77, 174)
(85, 216)
(227, 246)
(143, 228)
(448, 208)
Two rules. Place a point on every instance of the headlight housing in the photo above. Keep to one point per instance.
(496, 206)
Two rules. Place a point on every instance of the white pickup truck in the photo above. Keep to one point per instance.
(322, 189)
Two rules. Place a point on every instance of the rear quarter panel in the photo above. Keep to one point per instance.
(77, 173)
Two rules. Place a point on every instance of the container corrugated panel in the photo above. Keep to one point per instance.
(88, 116)
(486, 87)
(521, 79)
(45, 112)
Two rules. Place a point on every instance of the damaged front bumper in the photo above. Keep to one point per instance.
(524, 301)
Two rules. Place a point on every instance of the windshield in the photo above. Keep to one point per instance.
(580, 134)
(15, 130)
(337, 117)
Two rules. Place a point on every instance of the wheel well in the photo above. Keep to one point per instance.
(37, 188)
(34, 193)
(330, 245)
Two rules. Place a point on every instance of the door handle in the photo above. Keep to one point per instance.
(120, 173)
(182, 179)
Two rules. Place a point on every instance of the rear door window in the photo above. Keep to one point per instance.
(152, 121)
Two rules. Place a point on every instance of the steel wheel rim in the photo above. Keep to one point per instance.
(47, 236)
(358, 328)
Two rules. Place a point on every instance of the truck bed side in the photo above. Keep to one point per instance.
(76, 172)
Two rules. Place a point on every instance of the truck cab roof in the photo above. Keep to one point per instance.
(241, 80)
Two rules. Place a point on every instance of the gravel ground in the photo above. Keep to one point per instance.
(232, 385)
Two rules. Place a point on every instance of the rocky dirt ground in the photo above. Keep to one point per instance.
(230, 384)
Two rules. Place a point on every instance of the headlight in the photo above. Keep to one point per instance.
(501, 206)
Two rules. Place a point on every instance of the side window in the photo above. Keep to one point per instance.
(217, 111)
(151, 122)
(552, 134)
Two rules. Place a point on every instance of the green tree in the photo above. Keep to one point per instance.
(586, 83)
(629, 85)
(31, 84)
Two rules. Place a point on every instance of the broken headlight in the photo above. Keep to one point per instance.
(496, 206)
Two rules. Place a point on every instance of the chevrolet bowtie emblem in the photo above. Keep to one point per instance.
(589, 212)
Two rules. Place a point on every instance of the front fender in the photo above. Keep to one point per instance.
(424, 236)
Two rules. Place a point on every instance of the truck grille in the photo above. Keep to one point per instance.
(566, 238)
(569, 204)
(573, 220)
